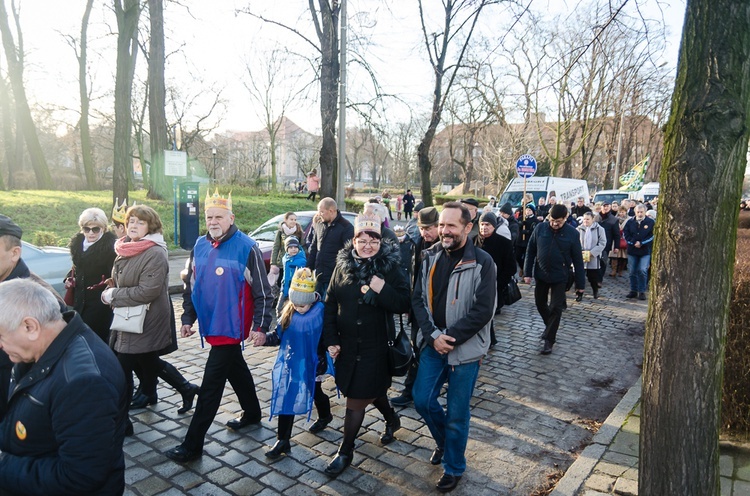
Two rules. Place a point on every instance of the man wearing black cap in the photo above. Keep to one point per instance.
(12, 266)
(553, 246)
(427, 221)
(473, 206)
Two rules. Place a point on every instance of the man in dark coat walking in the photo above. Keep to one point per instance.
(330, 235)
(611, 226)
(553, 247)
(67, 411)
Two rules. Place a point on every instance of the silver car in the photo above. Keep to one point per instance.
(51, 263)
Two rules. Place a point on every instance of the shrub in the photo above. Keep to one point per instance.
(46, 238)
(735, 404)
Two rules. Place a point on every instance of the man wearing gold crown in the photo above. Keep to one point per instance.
(227, 291)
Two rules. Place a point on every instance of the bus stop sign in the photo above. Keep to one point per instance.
(526, 166)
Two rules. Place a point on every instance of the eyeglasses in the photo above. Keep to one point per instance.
(94, 229)
(372, 243)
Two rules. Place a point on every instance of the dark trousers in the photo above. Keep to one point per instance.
(311, 196)
(594, 277)
(225, 363)
(603, 263)
(322, 405)
(551, 312)
(148, 366)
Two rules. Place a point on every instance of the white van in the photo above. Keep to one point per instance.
(648, 192)
(611, 195)
(566, 190)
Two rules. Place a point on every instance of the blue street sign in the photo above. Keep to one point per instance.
(526, 166)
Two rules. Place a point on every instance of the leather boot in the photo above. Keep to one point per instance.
(281, 448)
(172, 376)
(391, 425)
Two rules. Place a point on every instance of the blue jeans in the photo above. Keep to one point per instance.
(449, 427)
(638, 270)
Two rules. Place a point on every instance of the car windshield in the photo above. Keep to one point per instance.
(610, 197)
(515, 197)
(267, 231)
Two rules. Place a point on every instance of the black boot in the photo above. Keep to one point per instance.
(142, 401)
(352, 423)
(172, 376)
(281, 448)
(391, 426)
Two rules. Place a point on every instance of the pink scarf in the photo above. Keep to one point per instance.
(127, 248)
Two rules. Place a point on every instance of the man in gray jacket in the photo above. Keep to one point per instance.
(453, 303)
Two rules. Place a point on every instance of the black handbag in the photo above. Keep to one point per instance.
(513, 294)
(400, 352)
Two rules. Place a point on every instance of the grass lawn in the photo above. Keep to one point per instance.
(51, 217)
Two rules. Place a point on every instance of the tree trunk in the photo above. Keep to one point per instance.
(704, 160)
(86, 150)
(25, 121)
(127, 12)
(159, 184)
(8, 138)
(329, 93)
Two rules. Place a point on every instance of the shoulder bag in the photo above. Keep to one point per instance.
(70, 291)
(400, 352)
(513, 294)
(129, 319)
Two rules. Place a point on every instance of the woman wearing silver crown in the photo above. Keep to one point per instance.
(367, 287)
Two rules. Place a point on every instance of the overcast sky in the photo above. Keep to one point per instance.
(219, 42)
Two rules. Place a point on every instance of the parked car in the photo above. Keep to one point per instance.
(51, 263)
(265, 235)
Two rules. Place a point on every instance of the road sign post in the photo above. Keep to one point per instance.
(526, 168)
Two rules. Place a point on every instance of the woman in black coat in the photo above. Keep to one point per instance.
(93, 253)
(527, 226)
(501, 251)
(367, 287)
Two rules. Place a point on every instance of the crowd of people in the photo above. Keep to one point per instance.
(332, 302)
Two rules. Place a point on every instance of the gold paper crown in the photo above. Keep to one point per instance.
(217, 201)
(303, 280)
(118, 212)
(369, 223)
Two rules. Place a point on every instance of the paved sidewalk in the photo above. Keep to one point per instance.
(531, 416)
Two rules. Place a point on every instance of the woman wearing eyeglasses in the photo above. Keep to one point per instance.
(367, 287)
(93, 253)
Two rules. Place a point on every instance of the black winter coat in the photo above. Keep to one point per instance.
(526, 227)
(550, 254)
(612, 229)
(360, 323)
(90, 266)
(501, 251)
(325, 244)
(65, 425)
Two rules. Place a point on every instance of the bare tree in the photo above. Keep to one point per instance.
(271, 83)
(127, 13)
(159, 186)
(460, 19)
(80, 48)
(14, 55)
(705, 154)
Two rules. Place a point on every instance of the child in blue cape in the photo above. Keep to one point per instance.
(299, 361)
(294, 259)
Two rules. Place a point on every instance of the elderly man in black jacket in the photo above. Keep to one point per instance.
(553, 246)
(330, 235)
(65, 425)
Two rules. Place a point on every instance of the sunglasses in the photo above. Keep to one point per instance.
(94, 229)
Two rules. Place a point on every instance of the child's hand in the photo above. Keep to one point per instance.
(258, 338)
(334, 351)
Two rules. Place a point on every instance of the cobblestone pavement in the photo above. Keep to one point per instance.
(531, 415)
